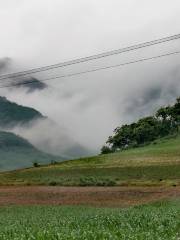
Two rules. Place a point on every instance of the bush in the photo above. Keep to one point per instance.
(52, 183)
(36, 164)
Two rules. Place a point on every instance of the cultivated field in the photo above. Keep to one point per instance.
(148, 222)
(99, 198)
(92, 196)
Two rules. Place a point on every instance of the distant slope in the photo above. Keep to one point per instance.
(16, 152)
(16, 118)
(12, 114)
(155, 164)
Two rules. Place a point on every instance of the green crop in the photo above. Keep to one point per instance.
(154, 222)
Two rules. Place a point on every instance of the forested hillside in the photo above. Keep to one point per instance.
(12, 114)
(166, 121)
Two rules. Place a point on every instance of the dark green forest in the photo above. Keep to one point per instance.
(12, 114)
(15, 151)
(164, 122)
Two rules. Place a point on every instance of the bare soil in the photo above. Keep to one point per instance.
(93, 196)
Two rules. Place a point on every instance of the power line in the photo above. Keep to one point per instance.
(94, 70)
(90, 58)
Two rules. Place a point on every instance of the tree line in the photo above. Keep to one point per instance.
(164, 122)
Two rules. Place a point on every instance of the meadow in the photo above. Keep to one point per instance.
(151, 165)
(151, 222)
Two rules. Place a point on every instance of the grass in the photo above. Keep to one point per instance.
(155, 164)
(148, 222)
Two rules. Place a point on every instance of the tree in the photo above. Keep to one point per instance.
(166, 121)
(164, 113)
(176, 110)
(146, 130)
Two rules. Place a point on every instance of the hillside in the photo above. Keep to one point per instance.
(155, 164)
(16, 152)
(12, 114)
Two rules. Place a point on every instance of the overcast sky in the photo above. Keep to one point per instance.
(41, 32)
(47, 31)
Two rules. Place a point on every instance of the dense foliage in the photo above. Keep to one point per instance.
(166, 121)
(153, 222)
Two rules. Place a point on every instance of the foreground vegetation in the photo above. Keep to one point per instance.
(155, 164)
(148, 222)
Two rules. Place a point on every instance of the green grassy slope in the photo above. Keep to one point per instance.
(16, 152)
(155, 164)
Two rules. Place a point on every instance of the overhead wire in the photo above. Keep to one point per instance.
(90, 58)
(94, 70)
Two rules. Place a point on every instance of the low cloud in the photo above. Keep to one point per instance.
(82, 112)
(49, 137)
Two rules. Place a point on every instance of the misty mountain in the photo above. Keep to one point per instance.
(30, 83)
(27, 82)
(40, 131)
(16, 152)
(12, 114)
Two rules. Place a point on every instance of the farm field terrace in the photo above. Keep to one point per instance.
(155, 164)
(147, 222)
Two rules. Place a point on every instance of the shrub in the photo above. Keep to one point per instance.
(52, 183)
(36, 164)
(106, 150)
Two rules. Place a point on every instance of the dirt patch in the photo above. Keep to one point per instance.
(95, 196)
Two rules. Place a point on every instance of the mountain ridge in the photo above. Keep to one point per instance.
(16, 152)
(12, 114)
